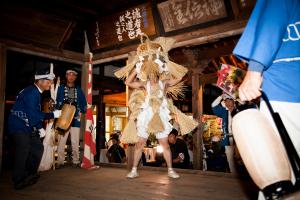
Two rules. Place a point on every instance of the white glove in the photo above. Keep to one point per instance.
(181, 155)
(42, 132)
(217, 101)
(138, 67)
(57, 113)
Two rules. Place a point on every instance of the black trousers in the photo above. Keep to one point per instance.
(28, 154)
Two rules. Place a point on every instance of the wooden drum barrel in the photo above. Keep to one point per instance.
(66, 118)
(261, 148)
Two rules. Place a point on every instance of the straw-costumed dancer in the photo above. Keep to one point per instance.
(154, 77)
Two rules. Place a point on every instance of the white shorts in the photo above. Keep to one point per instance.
(142, 132)
(146, 115)
(289, 113)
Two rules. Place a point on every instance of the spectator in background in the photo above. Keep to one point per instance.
(216, 157)
(189, 142)
(179, 151)
(116, 154)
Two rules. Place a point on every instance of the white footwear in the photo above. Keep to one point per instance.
(132, 174)
(172, 174)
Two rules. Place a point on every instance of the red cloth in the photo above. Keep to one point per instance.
(89, 139)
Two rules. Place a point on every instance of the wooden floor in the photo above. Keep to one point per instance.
(110, 183)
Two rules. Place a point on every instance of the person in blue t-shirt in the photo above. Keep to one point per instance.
(270, 44)
(71, 94)
(25, 126)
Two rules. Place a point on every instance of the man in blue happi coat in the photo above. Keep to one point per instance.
(71, 94)
(271, 46)
(223, 107)
(25, 127)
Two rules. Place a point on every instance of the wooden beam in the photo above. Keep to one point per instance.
(199, 67)
(222, 58)
(209, 78)
(233, 60)
(116, 99)
(210, 34)
(197, 105)
(235, 8)
(119, 113)
(67, 34)
(197, 37)
(213, 52)
(110, 59)
(213, 61)
(242, 65)
(2, 96)
(62, 55)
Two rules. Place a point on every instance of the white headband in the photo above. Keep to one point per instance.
(71, 71)
(45, 76)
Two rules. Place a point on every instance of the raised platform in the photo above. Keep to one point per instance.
(110, 183)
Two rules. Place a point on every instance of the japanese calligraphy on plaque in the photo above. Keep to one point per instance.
(178, 14)
(130, 24)
(122, 27)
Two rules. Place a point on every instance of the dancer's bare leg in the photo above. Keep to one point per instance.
(139, 146)
(167, 152)
(167, 155)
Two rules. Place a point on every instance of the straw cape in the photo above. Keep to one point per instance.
(152, 60)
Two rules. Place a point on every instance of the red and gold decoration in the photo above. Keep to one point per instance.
(212, 127)
(229, 79)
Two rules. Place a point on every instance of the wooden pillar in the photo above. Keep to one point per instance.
(100, 129)
(130, 150)
(197, 107)
(2, 96)
(84, 84)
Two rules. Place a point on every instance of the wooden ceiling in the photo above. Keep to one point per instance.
(59, 25)
(206, 59)
(118, 99)
(56, 24)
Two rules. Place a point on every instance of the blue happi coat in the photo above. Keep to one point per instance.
(222, 112)
(26, 113)
(80, 103)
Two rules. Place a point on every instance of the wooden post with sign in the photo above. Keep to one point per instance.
(121, 28)
(182, 14)
(2, 96)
